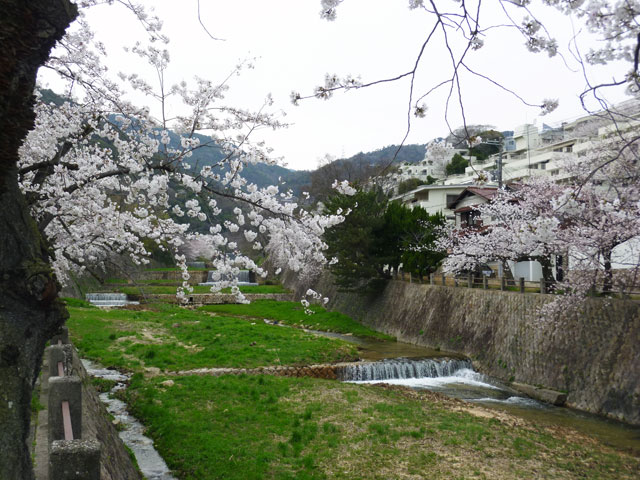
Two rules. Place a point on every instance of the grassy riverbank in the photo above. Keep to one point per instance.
(263, 427)
(173, 338)
(255, 427)
(292, 313)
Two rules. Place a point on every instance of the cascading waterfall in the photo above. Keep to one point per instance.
(244, 278)
(401, 368)
(108, 299)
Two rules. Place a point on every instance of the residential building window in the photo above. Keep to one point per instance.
(470, 219)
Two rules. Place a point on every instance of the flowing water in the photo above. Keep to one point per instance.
(151, 464)
(244, 278)
(421, 368)
(108, 299)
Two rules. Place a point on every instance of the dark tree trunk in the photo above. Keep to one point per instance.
(547, 269)
(29, 309)
(608, 272)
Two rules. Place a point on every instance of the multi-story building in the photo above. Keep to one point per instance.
(527, 151)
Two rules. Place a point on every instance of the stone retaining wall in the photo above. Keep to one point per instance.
(197, 276)
(115, 462)
(594, 356)
(218, 298)
(326, 371)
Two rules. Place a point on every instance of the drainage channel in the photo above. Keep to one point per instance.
(151, 464)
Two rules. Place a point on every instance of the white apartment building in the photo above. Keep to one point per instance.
(531, 151)
(433, 198)
(433, 164)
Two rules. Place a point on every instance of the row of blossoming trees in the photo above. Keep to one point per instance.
(98, 172)
(591, 219)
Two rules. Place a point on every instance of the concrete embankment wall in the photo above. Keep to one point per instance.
(115, 462)
(593, 355)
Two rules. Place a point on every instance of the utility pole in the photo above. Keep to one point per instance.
(500, 145)
(500, 168)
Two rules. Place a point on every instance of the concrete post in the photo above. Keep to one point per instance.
(410, 278)
(432, 279)
(62, 389)
(485, 282)
(470, 280)
(62, 334)
(503, 283)
(521, 284)
(543, 288)
(59, 353)
(444, 279)
(74, 460)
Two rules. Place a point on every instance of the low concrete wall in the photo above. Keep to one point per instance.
(196, 276)
(218, 298)
(594, 356)
(115, 462)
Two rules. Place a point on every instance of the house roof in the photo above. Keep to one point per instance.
(484, 192)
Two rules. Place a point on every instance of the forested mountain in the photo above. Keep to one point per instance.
(408, 153)
(355, 168)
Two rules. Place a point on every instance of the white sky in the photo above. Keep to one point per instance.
(372, 38)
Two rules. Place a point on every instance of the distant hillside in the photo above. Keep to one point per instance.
(355, 169)
(360, 167)
(408, 153)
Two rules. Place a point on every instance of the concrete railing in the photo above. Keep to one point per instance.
(71, 457)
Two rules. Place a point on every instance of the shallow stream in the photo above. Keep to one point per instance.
(466, 384)
(151, 464)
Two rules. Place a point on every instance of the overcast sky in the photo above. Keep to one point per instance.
(294, 49)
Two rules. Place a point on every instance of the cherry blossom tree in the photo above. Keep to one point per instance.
(30, 312)
(522, 227)
(98, 171)
(96, 174)
(593, 218)
(605, 33)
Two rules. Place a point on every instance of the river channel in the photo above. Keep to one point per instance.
(405, 364)
(466, 384)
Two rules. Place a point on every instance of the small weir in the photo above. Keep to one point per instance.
(403, 368)
(245, 278)
(151, 464)
(456, 378)
(108, 299)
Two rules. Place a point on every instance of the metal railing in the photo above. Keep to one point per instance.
(515, 285)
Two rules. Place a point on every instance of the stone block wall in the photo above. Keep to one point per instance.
(217, 298)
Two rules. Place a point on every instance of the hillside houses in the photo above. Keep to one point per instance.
(530, 151)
